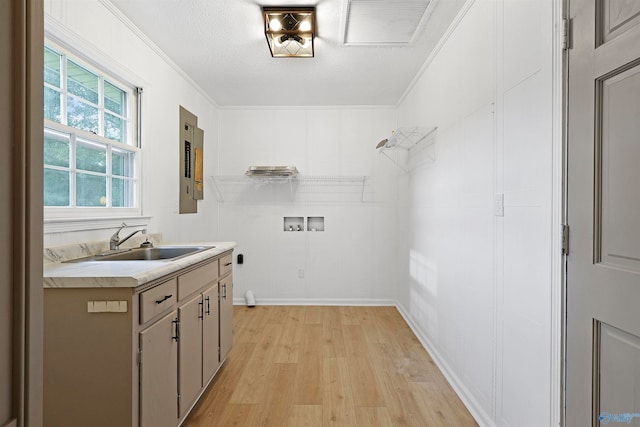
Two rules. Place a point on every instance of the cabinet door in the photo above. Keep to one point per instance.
(190, 352)
(210, 344)
(226, 316)
(158, 373)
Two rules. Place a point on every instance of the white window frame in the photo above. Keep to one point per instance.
(74, 136)
(61, 218)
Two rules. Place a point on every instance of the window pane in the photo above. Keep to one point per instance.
(122, 162)
(56, 188)
(51, 67)
(82, 116)
(114, 127)
(56, 150)
(91, 190)
(91, 156)
(51, 104)
(122, 193)
(114, 99)
(82, 82)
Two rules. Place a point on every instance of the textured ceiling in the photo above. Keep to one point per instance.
(220, 44)
(383, 22)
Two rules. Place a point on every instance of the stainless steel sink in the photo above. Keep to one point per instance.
(146, 254)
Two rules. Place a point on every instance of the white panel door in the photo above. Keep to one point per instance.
(603, 271)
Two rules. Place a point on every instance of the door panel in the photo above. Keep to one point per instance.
(226, 316)
(190, 352)
(158, 374)
(617, 16)
(210, 337)
(617, 386)
(603, 177)
(618, 110)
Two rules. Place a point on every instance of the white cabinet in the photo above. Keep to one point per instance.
(145, 360)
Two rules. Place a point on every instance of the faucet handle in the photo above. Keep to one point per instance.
(115, 236)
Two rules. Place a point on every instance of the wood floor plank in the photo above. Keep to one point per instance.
(216, 399)
(273, 409)
(349, 315)
(373, 417)
(288, 345)
(334, 344)
(313, 315)
(252, 382)
(329, 366)
(355, 341)
(277, 314)
(305, 416)
(308, 381)
(338, 408)
(375, 329)
(438, 408)
(233, 415)
(365, 389)
(401, 404)
(248, 324)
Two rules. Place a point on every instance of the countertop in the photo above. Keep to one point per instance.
(122, 274)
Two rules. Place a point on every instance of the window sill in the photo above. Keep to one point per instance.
(65, 225)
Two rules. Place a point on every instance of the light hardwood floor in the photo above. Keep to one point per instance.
(327, 366)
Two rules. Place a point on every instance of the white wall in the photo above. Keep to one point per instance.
(354, 259)
(479, 287)
(98, 31)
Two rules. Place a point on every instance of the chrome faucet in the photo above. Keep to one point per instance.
(115, 242)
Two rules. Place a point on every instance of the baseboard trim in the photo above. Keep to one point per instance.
(319, 301)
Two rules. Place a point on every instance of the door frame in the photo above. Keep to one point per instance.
(564, 113)
(561, 46)
(25, 213)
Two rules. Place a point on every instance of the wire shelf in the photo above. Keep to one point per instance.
(405, 139)
(302, 189)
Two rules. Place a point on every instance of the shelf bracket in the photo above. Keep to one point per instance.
(394, 161)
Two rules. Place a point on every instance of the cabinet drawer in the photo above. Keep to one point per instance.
(156, 300)
(226, 264)
(192, 281)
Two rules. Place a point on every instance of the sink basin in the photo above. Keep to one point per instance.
(146, 254)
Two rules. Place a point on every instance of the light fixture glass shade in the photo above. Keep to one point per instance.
(289, 31)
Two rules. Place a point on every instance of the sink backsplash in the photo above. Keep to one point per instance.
(57, 254)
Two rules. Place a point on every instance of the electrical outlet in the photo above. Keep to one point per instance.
(301, 273)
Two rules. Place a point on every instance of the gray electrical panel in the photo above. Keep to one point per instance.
(191, 162)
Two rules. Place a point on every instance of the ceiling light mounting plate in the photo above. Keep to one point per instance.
(290, 31)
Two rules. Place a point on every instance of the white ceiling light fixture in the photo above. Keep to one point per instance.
(290, 31)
